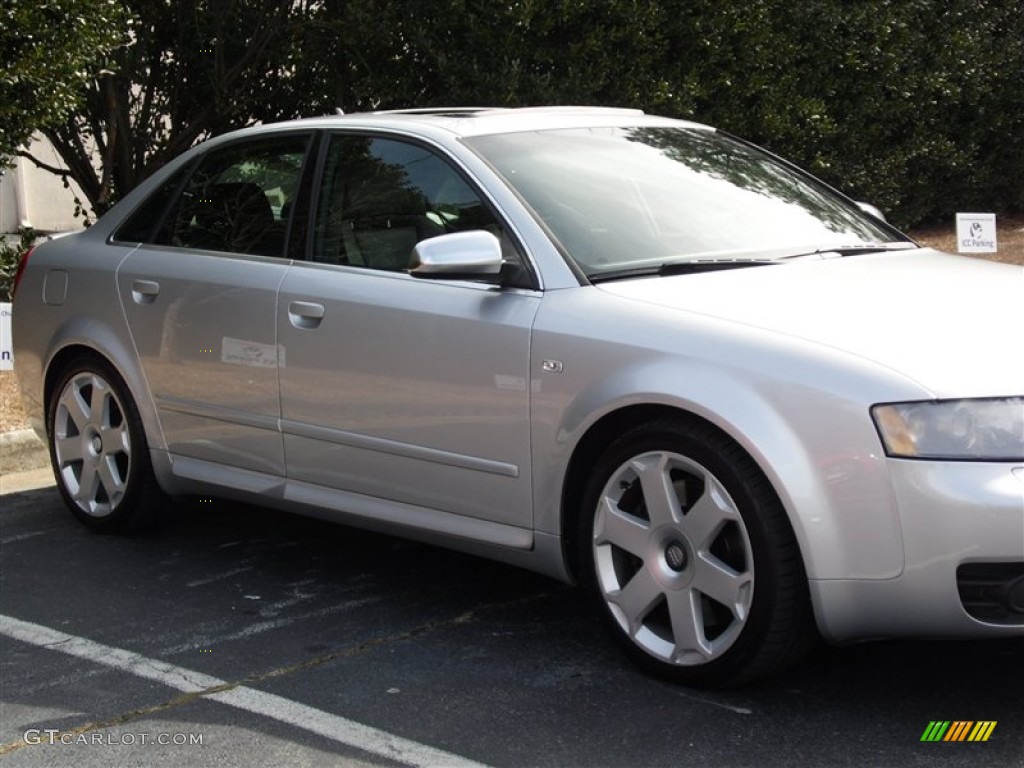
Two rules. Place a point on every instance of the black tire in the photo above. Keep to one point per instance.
(98, 450)
(691, 559)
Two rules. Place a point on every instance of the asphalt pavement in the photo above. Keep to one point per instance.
(240, 636)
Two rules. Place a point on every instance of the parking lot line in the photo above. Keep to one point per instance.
(326, 724)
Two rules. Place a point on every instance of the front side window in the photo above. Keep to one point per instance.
(379, 197)
(239, 199)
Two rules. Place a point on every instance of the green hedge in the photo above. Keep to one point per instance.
(914, 105)
(11, 252)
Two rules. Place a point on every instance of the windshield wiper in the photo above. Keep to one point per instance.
(831, 252)
(697, 265)
(676, 268)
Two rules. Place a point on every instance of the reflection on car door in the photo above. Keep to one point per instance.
(199, 299)
(393, 387)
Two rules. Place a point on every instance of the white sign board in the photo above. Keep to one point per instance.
(976, 232)
(6, 350)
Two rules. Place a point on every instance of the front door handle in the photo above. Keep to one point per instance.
(145, 291)
(305, 314)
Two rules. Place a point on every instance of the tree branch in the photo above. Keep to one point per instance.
(55, 170)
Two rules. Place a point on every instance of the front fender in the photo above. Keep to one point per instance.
(804, 422)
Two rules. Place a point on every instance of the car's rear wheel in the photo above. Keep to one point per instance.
(98, 449)
(691, 558)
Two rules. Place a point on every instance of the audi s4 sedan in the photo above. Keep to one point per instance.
(618, 349)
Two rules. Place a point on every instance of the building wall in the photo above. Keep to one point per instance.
(31, 197)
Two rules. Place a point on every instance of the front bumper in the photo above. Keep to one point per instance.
(952, 514)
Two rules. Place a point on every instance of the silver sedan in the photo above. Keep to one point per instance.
(636, 352)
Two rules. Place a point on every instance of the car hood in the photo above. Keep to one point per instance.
(951, 323)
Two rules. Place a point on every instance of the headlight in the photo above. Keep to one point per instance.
(972, 430)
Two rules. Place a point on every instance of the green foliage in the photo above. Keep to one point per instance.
(501, 54)
(10, 257)
(914, 105)
(50, 50)
(194, 68)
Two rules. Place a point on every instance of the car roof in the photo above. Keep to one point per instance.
(477, 121)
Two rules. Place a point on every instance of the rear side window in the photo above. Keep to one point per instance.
(238, 200)
(139, 227)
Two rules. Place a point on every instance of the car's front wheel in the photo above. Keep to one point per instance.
(691, 558)
(98, 449)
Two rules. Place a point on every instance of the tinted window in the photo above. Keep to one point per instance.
(139, 227)
(622, 197)
(239, 199)
(379, 197)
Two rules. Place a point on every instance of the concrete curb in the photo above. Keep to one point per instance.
(20, 451)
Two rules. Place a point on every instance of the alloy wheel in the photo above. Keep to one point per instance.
(92, 444)
(672, 558)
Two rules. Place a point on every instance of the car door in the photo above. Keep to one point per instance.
(394, 387)
(199, 296)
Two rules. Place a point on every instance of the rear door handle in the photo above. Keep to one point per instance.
(305, 314)
(145, 291)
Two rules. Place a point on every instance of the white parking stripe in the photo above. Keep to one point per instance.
(339, 729)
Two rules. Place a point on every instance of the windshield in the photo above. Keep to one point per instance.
(626, 198)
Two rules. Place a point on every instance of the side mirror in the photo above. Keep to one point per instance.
(871, 210)
(457, 256)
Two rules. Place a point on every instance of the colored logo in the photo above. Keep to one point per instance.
(958, 730)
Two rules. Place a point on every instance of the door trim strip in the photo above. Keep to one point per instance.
(396, 448)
